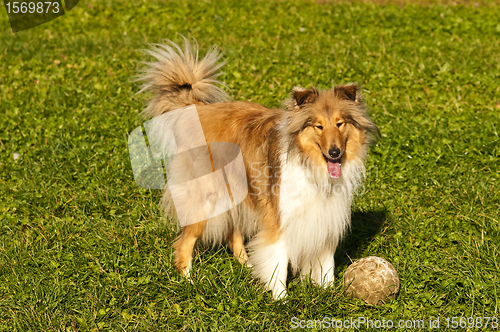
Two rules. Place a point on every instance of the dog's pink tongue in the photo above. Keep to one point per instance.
(334, 169)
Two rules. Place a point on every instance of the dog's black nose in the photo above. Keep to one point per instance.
(334, 153)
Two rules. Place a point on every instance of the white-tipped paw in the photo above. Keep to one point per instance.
(279, 293)
(186, 273)
(280, 296)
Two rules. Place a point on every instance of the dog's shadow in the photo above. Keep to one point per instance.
(364, 227)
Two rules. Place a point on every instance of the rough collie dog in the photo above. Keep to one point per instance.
(302, 167)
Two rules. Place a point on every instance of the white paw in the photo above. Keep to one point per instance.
(187, 272)
(279, 294)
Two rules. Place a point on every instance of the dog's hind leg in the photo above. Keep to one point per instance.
(235, 241)
(184, 247)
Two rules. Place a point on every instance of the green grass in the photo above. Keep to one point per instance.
(83, 248)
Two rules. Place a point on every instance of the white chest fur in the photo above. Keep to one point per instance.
(314, 209)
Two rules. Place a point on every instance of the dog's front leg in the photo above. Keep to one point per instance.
(270, 260)
(323, 268)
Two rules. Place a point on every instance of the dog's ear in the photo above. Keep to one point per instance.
(348, 92)
(301, 96)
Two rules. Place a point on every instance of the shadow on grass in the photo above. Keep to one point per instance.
(364, 227)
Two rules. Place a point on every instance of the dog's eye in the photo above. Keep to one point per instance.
(339, 124)
(319, 127)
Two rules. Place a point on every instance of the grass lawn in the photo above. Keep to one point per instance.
(83, 248)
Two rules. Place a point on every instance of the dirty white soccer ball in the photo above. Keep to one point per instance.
(371, 279)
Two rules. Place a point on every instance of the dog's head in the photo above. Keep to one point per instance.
(330, 127)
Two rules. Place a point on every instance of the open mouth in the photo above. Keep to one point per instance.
(333, 166)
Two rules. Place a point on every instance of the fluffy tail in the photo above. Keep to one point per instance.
(177, 78)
